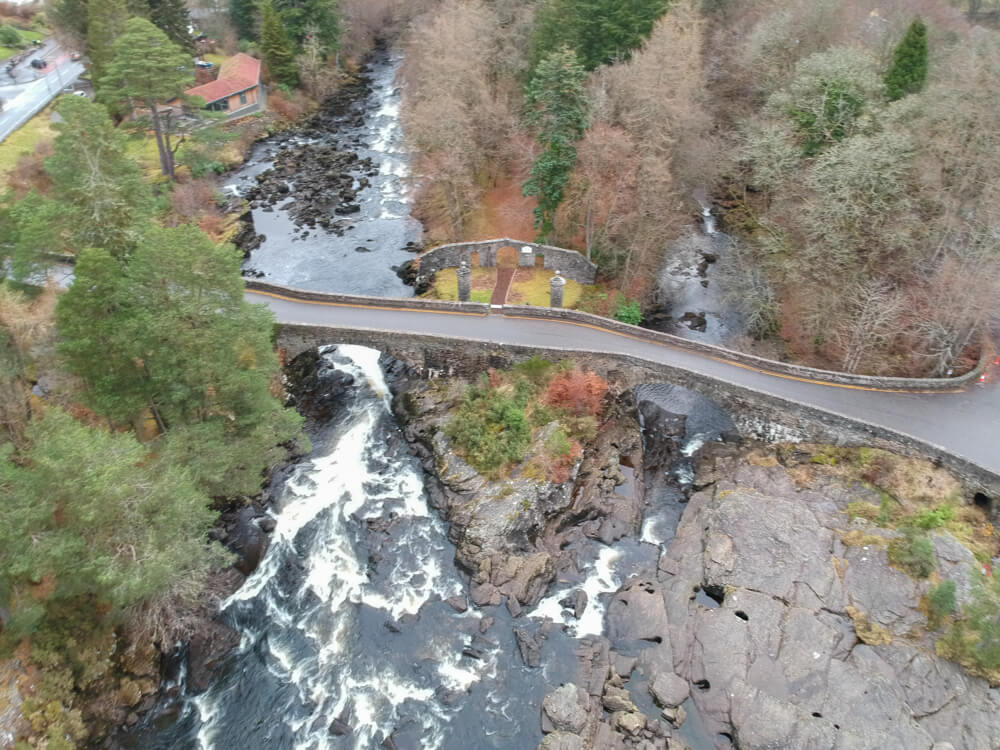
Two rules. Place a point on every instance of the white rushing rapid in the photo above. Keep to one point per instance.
(309, 636)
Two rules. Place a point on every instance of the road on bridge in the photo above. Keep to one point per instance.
(964, 423)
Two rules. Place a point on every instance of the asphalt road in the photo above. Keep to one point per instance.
(966, 423)
(25, 90)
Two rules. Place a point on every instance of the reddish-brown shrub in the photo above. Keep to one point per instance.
(29, 173)
(213, 224)
(290, 107)
(191, 199)
(578, 392)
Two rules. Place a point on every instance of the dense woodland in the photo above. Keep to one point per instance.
(853, 150)
(849, 144)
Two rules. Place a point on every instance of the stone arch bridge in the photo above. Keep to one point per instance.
(954, 422)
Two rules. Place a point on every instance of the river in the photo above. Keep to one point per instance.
(348, 638)
(359, 252)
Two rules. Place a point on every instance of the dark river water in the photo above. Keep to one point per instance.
(319, 259)
(347, 640)
(346, 621)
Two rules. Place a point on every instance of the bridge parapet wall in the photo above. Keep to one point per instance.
(635, 332)
(398, 303)
(569, 263)
(758, 415)
(748, 360)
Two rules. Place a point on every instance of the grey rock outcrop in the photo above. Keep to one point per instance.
(669, 690)
(510, 533)
(566, 709)
(779, 663)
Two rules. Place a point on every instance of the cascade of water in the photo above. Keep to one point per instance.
(707, 220)
(310, 615)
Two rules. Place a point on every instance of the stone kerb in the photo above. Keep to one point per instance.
(569, 263)
(758, 363)
(401, 303)
(438, 356)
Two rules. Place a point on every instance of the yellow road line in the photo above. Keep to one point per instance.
(665, 345)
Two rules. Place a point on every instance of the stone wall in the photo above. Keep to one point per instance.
(569, 263)
(770, 365)
(609, 324)
(758, 414)
(399, 303)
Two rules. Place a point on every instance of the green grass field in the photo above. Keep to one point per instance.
(27, 36)
(530, 287)
(22, 142)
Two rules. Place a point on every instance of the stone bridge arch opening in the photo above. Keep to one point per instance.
(506, 257)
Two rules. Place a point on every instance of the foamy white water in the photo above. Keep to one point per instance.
(312, 587)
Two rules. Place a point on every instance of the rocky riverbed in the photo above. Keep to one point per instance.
(772, 619)
(327, 203)
(680, 589)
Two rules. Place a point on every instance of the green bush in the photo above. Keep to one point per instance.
(628, 310)
(913, 553)
(933, 519)
(558, 444)
(10, 37)
(536, 369)
(974, 641)
(490, 429)
(940, 603)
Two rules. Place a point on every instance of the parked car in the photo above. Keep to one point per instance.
(38, 63)
(74, 56)
(202, 64)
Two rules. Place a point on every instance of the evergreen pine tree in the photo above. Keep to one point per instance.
(105, 21)
(243, 14)
(173, 19)
(148, 69)
(557, 107)
(599, 31)
(275, 46)
(302, 16)
(908, 71)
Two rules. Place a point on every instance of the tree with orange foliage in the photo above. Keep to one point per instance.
(577, 391)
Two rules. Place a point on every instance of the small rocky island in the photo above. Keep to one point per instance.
(803, 601)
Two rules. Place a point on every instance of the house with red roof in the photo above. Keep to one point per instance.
(237, 87)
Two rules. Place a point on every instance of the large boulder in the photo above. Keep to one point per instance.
(561, 741)
(566, 708)
(669, 690)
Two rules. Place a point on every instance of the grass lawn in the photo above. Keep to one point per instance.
(27, 36)
(445, 284)
(22, 142)
(530, 287)
(214, 58)
(142, 148)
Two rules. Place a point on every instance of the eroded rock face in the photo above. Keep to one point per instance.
(779, 663)
(510, 533)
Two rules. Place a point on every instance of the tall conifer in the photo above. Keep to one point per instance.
(908, 71)
(276, 46)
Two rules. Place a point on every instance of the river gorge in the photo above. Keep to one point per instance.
(665, 595)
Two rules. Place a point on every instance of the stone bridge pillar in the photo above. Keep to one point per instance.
(557, 284)
(464, 274)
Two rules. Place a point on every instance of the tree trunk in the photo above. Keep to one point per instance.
(166, 158)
